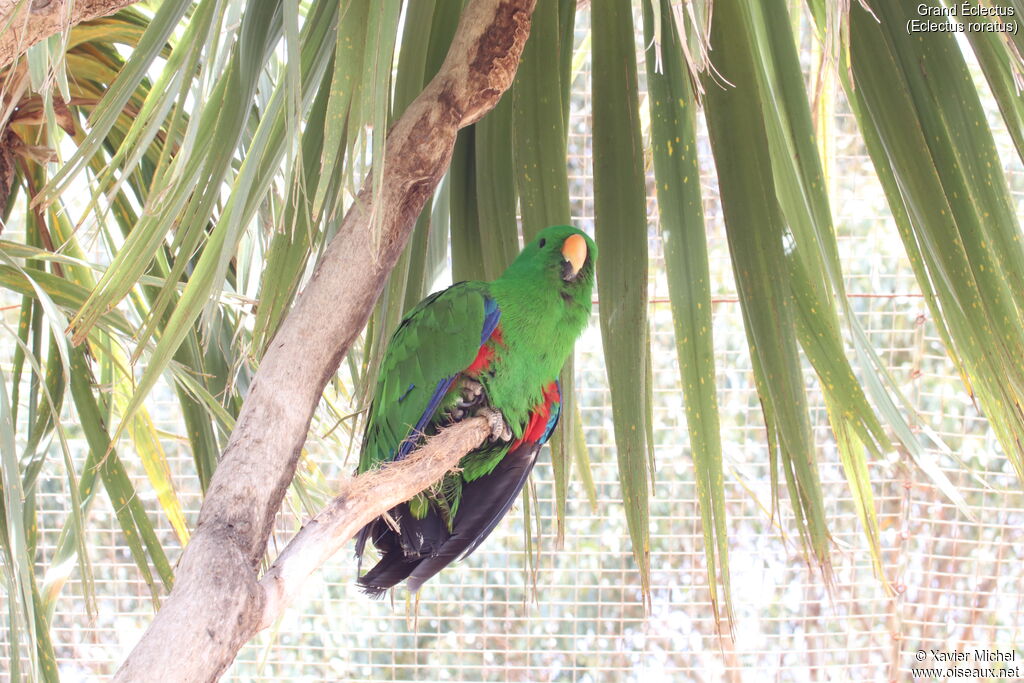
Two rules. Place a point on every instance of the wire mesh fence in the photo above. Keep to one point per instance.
(574, 612)
(528, 606)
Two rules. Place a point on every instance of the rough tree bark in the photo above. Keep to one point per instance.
(29, 21)
(217, 602)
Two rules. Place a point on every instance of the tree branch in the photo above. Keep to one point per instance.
(217, 603)
(29, 21)
(362, 499)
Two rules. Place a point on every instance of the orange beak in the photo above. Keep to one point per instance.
(574, 249)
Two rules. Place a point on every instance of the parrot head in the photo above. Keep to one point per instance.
(560, 257)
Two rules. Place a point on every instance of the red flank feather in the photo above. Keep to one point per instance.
(485, 355)
(540, 416)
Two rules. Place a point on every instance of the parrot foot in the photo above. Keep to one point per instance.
(500, 429)
(471, 393)
(471, 397)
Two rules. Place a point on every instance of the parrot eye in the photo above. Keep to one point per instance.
(542, 243)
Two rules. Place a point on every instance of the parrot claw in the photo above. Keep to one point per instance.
(470, 387)
(471, 393)
(500, 429)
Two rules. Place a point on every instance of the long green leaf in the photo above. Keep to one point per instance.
(151, 118)
(755, 230)
(428, 248)
(17, 564)
(815, 278)
(189, 200)
(620, 223)
(375, 96)
(496, 188)
(538, 127)
(467, 252)
(680, 209)
(208, 272)
(1002, 71)
(345, 84)
(131, 516)
(146, 51)
(928, 139)
(538, 131)
(291, 246)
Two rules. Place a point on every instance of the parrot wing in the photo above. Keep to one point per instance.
(436, 341)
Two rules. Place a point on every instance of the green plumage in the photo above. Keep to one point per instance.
(530, 318)
(428, 346)
(440, 337)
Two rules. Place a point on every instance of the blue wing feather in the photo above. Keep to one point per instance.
(409, 442)
(492, 314)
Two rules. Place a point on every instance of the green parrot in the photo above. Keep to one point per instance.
(490, 348)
